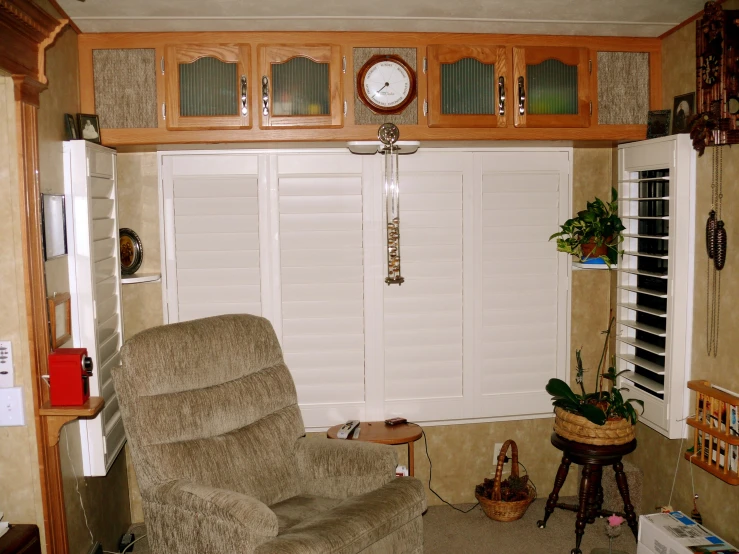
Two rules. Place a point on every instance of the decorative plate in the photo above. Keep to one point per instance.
(132, 252)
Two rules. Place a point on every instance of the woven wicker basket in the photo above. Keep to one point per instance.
(576, 428)
(496, 508)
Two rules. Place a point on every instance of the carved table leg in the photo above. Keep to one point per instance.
(586, 485)
(559, 480)
(623, 488)
(593, 494)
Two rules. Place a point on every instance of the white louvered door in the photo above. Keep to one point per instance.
(94, 276)
(521, 283)
(211, 219)
(322, 281)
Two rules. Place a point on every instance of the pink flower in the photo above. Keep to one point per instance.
(615, 521)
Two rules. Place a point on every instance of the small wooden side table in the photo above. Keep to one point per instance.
(379, 432)
(592, 458)
(21, 539)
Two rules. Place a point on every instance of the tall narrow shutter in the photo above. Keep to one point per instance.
(423, 318)
(94, 268)
(521, 310)
(322, 276)
(212, 215)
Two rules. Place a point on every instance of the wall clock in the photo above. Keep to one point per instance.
(386, 84)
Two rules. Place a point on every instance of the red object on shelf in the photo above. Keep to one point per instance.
(69, 373)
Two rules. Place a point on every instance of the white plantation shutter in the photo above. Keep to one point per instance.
(423, 318)
(521, 281)
(94, 276)
(322, 280)
(211, 213)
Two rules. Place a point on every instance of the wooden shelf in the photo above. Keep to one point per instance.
(140, 278)
(713, 432)
(58, 416)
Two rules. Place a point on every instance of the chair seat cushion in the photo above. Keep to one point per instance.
(351, 525)
(300, 508)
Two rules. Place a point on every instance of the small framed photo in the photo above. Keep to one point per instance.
(658, 123)
(89, 127)
(683, 107)
(60, 318)
(70, 127)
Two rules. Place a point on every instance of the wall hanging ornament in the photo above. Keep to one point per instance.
(716, 245)
(389, 135)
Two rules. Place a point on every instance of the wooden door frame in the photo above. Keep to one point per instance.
(26, 31)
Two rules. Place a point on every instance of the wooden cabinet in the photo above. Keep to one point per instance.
(466, 86)
(207, 86)
(300, 85)
(551, 86)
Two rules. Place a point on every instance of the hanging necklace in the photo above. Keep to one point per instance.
(716, 249)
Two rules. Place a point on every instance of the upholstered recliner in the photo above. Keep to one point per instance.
(218, 446)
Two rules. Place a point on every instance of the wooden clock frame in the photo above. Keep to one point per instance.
(400, 108)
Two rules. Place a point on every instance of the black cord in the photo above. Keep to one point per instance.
(426, 443)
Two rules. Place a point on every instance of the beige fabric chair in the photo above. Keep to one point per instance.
(218, 445)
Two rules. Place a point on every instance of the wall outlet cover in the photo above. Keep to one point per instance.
(11, 407)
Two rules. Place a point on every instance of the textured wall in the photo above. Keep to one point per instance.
(105, 499)
(658, 457)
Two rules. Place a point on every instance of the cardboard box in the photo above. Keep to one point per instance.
(643, 549)
(676, 533)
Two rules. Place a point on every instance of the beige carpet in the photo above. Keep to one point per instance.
(447, 531)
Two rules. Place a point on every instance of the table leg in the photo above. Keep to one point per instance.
(593, 494)
(559, 480)
(623, 488)
(411, 461)
(586, 485)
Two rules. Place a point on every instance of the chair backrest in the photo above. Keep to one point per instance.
(211, 401)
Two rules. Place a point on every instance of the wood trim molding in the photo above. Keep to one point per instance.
(686, 22)
(26, 31)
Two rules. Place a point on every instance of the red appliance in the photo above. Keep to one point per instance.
(69, 373)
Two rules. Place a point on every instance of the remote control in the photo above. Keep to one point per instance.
(347, 429)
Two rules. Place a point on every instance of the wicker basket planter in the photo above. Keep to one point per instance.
(500, 510)
(576, 428)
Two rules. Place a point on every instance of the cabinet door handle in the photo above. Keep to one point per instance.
(164, 111)
(521, 96)
(265, 95)
(244, 108)
(501, 96)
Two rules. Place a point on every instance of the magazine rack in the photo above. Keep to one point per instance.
(716, 424)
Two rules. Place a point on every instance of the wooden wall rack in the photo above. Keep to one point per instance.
(716, 436)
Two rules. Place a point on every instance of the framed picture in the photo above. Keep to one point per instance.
(658, 123)
(682, 108)
(89, 127)
(53, 226)
(70, 127)
(60, 319)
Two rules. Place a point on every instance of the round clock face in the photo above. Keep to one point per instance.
(386, 84)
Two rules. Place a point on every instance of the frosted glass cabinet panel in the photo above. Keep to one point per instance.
(300, 86)
(466, 86)
(207, 86)
(551, 87)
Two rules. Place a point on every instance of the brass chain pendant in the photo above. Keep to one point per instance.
(716, 245)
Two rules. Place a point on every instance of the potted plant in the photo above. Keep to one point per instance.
(599, 417)
(594, 233)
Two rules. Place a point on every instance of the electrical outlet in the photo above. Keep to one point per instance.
(496, 450)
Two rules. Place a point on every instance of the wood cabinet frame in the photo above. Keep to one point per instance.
(439, 54)
(269, 54)
(573, 56)
(239, 54)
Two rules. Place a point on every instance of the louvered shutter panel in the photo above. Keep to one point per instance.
(212, 227)
(94, 271)
(655, 278)
(423, 318)
(521, 282)
(322, 280)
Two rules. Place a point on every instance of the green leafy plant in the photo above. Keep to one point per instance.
(598, 225)
(606, 402)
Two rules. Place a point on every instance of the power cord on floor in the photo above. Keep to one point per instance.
(77, 487)
(130, 545)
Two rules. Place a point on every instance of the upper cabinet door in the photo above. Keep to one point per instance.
(551, 87)
(466, 86)
(208, 86)
(300, 85)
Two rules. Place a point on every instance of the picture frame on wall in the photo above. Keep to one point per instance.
(89, 127)
(71, 130)
(682, 108)
(53, 226)
(658, 123)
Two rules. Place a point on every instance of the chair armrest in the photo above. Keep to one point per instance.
(229, 506)
(338, 469)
